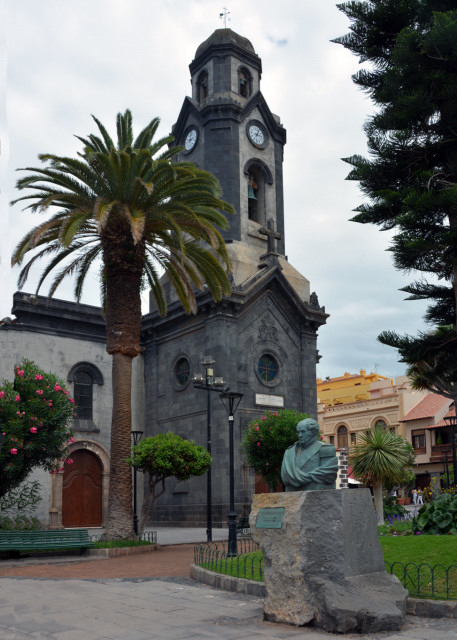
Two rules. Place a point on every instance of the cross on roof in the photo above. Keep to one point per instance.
(272, 235)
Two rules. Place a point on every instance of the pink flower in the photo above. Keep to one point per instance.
(70, 461)
(50, 404)
(71, 399)
(72, 439)
(257, 428)
(2, 394)
(33, 430)
(20, 372)
(258, 444)
(40, 392)
(17, 398)
(57, 387)
(13, 451)
(264, 418)
(38, 377)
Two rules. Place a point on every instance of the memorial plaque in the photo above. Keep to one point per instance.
(269, 401)
(270, 518)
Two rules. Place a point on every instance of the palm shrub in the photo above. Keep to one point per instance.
(127, 207)
(438, 516)
(266, 439)
(380, 457)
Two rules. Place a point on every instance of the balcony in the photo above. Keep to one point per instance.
(438, 453)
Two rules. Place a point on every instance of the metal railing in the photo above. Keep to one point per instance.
(425, 581)
(421, 581)
(147, 536)
(213, 557)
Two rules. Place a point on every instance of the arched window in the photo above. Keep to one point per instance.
(182, 372)
(84, 375)
(342, 434)
(380, 424)
(83, 395)
(258, 176)
(244, 82)
(202, 86)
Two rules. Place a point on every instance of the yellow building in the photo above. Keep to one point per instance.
(348, 388)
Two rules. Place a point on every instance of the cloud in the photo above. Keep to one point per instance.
(69, 60)
(280, 42)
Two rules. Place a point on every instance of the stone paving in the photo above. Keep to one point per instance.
(163, 608)
(158, 609)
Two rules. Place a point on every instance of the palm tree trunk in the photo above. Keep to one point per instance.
(123, 331)
(120, 510)
(378, 504)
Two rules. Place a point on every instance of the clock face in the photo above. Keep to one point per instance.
(256, 134)
(191, 139)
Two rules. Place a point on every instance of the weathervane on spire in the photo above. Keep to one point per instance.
(224, 16)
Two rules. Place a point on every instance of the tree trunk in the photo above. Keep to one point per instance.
(120, 509)
(378, 503)
(124, 263)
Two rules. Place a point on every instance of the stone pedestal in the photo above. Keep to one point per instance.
(325, 564)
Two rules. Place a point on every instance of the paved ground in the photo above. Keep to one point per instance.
(148, 597)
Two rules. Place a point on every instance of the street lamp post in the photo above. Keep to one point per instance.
(452, 423)
(231, 400)
(209, 383)
(136, 437)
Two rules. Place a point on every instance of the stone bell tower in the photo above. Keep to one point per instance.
(227, 128)
(263, 336)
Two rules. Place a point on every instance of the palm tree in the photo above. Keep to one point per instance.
(136, 214)
(380, 457)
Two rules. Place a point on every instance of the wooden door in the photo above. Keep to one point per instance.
(82, 491)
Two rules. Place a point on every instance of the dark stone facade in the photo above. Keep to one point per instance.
(270, 311)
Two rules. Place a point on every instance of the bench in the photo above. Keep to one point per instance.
(30, 540)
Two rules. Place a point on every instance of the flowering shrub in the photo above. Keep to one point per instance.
(266, 439)
(35, 414)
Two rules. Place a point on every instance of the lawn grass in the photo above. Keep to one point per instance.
(438, 556)
(420, 549)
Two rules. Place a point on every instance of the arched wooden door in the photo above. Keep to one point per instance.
(82, 491)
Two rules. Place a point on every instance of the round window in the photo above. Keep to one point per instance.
(182, 371)
(267, 367)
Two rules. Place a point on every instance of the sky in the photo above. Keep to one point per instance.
(63, 61)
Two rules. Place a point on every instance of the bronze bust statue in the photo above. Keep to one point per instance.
(309, 464)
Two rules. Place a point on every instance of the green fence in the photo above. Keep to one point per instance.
(213, 556)
(425, 581)
(421, 581)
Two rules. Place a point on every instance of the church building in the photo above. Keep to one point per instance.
(261, 339)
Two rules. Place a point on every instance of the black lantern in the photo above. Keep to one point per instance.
(231, 400)
(209, 383)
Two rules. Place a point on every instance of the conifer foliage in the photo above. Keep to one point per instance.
(409, 52)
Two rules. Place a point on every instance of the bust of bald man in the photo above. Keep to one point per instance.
(309, 464)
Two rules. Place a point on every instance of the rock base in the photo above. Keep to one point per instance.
(325, 564)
